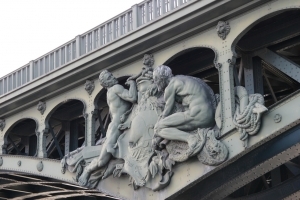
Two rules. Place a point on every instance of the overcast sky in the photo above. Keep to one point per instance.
(32, 28)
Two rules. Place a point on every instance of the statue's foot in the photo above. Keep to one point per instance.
(83, 179)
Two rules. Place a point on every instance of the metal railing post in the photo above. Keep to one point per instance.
(135, 17)
(154, 9)
(31, 70)
(78, 53)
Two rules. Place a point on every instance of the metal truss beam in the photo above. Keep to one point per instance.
(252, 74)
(286, 66)
(286, 44)
(14, 145)
(55, 141)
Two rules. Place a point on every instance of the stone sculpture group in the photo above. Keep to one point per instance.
(159, 121)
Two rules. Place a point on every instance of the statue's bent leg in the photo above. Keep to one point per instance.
(176, 134)
(175, 127)
(111, 138)
(180, 120)
(173, 134)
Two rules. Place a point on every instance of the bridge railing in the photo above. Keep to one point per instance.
(96, 38)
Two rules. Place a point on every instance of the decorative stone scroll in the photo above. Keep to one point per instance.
(41, 107)
(223, 29)
(161, 120)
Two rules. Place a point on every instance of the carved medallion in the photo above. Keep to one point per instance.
(89, 86)
(223, 29)
(2, 124)
(41, 107)
(277, 118)
(1, 161)
(19, 163)
(40, 166)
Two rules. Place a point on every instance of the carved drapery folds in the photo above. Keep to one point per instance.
(41, 107)
(161, 120)
(89, 86)
(223, 29)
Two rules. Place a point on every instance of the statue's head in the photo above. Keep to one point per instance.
(162, 76)
(148, 60)
(107, 79)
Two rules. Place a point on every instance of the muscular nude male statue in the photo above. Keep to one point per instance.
(119, 101)
(196, 97)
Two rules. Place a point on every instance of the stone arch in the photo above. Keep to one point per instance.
(198, 61)
(22, 143)
(259, 18)
(190, 48)
(67, 120)
(53, 109)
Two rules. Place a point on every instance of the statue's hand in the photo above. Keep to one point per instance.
(120, 126)
(129, 79)
(123, 118)
(124, 126)
(148, 74)
(129, 82)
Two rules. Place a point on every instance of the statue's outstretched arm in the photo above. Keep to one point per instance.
(134, 77)
(128, 95)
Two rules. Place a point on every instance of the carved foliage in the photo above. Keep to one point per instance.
(223, 29)
(89, 86)
(41, 107)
